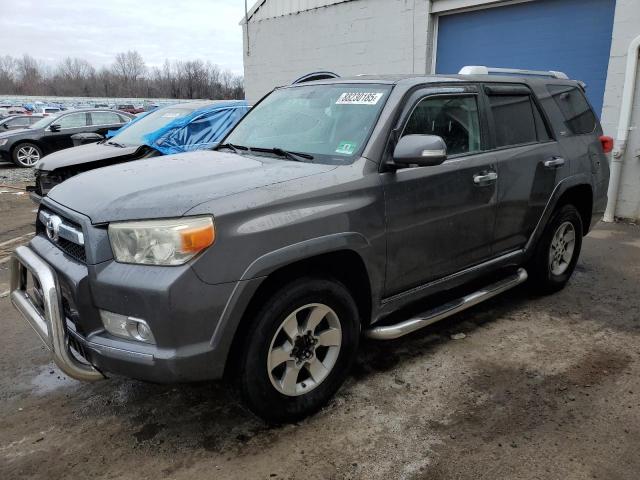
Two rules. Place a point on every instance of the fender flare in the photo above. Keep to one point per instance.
(562, 187)
(271, 261)
(260, 268)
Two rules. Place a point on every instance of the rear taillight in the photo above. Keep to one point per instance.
(607, 143)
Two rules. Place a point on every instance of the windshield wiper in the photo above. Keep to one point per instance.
(295, 156)
(115, 144)
(233, 147)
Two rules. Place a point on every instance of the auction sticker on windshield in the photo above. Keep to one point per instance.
(346, 148)
(359, 98)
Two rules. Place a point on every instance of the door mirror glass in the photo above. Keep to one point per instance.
(54, 128)
(420, 150)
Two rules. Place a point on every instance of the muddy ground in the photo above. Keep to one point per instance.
(540, 388)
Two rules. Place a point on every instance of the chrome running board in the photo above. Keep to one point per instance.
(389, 332)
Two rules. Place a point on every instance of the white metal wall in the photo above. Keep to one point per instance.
(278, 8)
(358, 36)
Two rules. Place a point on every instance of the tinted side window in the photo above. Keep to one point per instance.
(22, 121)
(105, 118)
(541, 126)
(513, 119)
(455, 119)
(578, 116)
(74, 120)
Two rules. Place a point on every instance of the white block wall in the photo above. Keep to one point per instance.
(626, 27)
(359, 36)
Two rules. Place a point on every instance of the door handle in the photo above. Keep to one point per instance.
(555, 162)
(484, 178)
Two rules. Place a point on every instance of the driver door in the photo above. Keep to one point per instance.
(69, 124)
(440, 218)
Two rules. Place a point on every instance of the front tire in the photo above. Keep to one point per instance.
(557, 251)
(26, 154)
(299, 350)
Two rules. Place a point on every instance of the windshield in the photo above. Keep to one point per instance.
(331, 122)
(132, 135)
(44, 122)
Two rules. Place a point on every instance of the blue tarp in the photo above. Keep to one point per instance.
(198, 130)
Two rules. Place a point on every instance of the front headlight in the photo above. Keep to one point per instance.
(171, 241)
(3, 142)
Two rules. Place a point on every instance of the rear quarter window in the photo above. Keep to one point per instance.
(578, 116)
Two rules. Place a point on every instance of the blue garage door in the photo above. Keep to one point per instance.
(573, 36)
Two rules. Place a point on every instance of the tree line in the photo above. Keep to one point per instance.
(128, 76)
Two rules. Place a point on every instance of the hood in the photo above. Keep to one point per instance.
(91, 152)
(172, 185)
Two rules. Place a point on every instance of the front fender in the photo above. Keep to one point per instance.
(270, 262)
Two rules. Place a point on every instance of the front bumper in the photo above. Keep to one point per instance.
(182, 311)
(45, 316)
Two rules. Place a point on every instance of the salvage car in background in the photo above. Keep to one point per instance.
(26, 146)
(173, 129)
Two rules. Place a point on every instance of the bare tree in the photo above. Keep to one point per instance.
(127, 77)
(129, 66)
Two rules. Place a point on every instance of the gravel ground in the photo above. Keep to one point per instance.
(12, 175)
(537, 388)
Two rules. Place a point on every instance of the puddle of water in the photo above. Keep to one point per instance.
(46, 382)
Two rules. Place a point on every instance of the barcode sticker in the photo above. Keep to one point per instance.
(359, 98)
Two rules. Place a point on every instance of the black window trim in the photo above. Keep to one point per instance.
(481, 119)
(569, 131)
(491, 120)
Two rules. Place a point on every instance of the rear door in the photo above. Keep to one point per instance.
(529, 163)
(580, 136)
(102, 122)
(440, 218)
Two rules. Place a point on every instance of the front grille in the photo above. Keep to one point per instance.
(72, 249)
(70, 237)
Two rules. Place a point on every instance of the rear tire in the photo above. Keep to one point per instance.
(299, 350)
(26, 154)
(557, 251)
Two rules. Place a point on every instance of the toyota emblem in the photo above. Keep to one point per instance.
(53, 227)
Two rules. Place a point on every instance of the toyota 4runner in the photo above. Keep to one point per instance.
(331, 206)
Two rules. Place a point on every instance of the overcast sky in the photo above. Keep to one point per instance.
(50, 30)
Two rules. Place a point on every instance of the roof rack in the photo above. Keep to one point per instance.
(482, 70)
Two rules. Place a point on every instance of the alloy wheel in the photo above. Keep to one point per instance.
(28, 155)
(304, 349)
(562, 248)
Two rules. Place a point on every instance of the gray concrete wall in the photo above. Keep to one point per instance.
(626, 26)
(360, 36)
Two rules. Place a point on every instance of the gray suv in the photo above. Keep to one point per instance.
(331, 206)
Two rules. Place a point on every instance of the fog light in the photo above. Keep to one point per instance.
(126, 327)
(144, 332)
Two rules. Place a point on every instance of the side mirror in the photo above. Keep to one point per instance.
(420, 150)
(55, 127)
